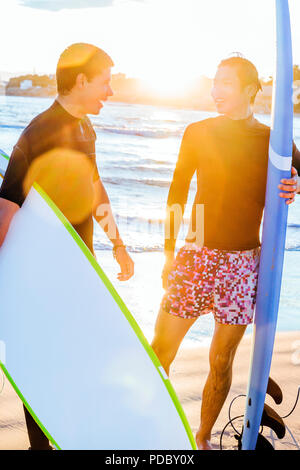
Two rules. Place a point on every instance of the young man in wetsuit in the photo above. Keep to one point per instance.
(60, 142)
(216, 271)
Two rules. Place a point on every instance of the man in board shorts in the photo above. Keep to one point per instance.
(217, 269)
(57, 149)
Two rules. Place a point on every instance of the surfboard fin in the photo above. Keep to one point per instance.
(272, 419)
(274, 391)
(263, 443)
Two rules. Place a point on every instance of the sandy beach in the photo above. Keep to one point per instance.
(188, 376)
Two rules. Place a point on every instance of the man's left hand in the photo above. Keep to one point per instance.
(291, 186)
(125, 262)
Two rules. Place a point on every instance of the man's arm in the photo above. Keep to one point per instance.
(7, 211)
(103, 215)
(296, 165)
(298, 184)
(11, 192)
(178, 193)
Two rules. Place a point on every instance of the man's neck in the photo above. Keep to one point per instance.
(240, 114)
(72, 108)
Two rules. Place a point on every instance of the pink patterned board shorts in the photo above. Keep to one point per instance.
(206, 280)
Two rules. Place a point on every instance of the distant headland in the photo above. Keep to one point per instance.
(132, 90)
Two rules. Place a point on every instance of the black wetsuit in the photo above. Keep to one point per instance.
(53, 129)
(231, 159)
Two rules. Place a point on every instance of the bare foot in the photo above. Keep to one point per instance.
(203, 444)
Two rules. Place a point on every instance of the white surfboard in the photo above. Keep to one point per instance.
(74, 353)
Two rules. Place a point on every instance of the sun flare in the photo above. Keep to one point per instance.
(172, 85)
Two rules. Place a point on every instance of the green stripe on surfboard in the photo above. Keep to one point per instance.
(9, 378)
(4, 155)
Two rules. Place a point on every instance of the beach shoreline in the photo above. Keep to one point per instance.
(188, 374)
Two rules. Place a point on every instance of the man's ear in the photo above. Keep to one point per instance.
(81, 80)
(251, 90)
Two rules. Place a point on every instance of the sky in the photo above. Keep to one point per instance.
(162, 41)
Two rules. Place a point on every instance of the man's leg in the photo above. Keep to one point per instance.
(222, 351)
(169, 332)
(38, 440)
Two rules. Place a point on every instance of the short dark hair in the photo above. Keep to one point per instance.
(80, 58)
(246, 72)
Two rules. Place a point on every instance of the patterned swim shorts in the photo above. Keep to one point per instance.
(206, 280)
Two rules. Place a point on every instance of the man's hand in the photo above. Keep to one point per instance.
(167, 269)
(125, 262)
(291, 186)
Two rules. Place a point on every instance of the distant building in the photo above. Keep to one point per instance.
(25, 84)
(31, 85)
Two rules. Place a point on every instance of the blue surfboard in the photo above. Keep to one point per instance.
(274, 229)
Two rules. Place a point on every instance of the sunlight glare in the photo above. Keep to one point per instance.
(170, 85)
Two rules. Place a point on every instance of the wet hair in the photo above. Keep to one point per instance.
(80, 58)
(246, 72)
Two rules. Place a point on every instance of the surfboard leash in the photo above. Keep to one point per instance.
(266, 445)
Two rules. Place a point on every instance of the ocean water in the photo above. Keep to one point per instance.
(137, 148)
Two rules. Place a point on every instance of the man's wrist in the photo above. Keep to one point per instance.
(117, 242)
(117, 248)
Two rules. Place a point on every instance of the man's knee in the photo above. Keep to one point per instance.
(221, 362)
(169, 332)
(223, 349)
(163, 349)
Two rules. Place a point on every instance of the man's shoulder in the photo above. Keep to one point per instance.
(261, 128)
(220, 123)
(41, 123)
(199, 128)
(204, 123)
(48, 129)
